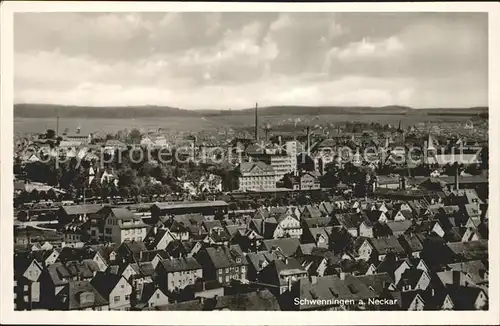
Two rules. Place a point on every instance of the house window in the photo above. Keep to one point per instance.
(157, 296)
(220, 279)
(108, 230)
(116, 299)
(127, 297)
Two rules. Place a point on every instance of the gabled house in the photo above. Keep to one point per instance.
(314, 264)
(264, 227)
(398, 228)
(177, 273)
(153, 296)
(257, 261)
(468, 298)
(46, 257)
(287, 246)
(476, 270)
(380, 247)
(326, 208)
(121, 224)
(262, 300)
(113, 288)
(158, 238)
(316, 293)
(392, 266)
(129, 251)
(223, 264)
(27, 272)
(413, 279)
(311, 211)
(401, 215)
(280, 274)
(54, 277)
(76, 213)
(247, 239)
(413, 243)
(80, 295)
(412, 301)
(376, 215)
(217, 236)
(351, 222)
(378, 282)
(287, 226)
(319, 236)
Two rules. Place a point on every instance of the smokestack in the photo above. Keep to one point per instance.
(57, 124)
(256, 131)
(457, 183)
(308, 129)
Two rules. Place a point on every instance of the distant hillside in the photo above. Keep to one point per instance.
(355, 110)
(64, 111)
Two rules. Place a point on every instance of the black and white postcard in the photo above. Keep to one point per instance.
(249, 163)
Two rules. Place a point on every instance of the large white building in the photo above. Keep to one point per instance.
(282, 159)
(255, 176)
(117, 225)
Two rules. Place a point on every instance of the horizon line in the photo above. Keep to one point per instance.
(260, 106)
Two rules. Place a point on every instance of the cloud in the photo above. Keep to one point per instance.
(223, 60)
(366, 48)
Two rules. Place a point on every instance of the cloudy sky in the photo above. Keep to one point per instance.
(232, 60)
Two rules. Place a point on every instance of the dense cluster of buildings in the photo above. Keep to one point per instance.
(406, 249)
(412, 243)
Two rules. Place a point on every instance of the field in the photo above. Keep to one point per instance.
(196, 124)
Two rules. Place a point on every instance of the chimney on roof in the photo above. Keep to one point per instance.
(457, 183)
(342, 276)
(313, 279)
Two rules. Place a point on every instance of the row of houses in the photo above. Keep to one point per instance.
(420, 254)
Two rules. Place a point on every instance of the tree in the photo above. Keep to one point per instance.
(135, 136)
(127, 177)
(50, 134)
(124, 192)
(34, 195)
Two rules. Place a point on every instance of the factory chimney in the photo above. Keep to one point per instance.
(256, 131)
(457, 171)
(57, 124)
(308, 129)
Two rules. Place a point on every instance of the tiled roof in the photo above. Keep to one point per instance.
(378, 282)
(71, 296)
(252, 301)
(410, 277)
(180, 264)
(472, 250)
(222, 257)
(349, 220)
(386, 244)
(189, 204)
(104, 283)
(246, 167)
(82, 209)
(287, 245)
(399, 226)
